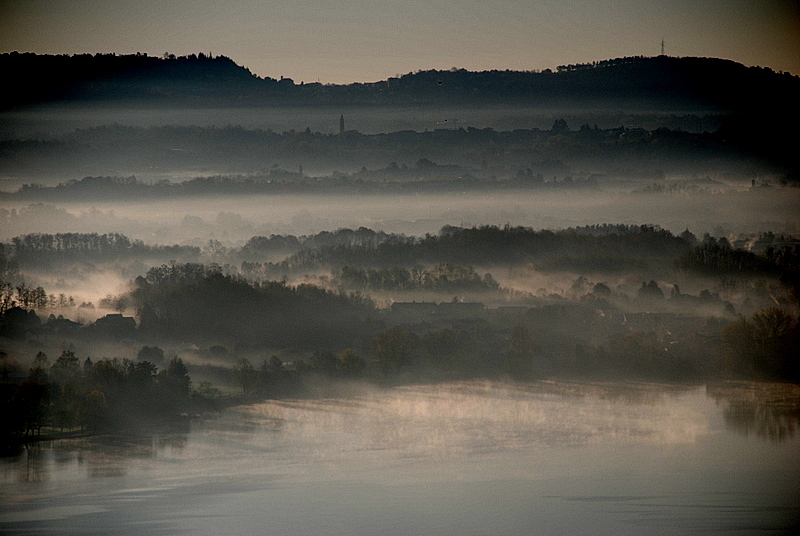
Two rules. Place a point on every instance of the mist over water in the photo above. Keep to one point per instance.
(508, 458)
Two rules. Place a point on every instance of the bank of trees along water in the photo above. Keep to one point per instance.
(767, 345)
(70, 394)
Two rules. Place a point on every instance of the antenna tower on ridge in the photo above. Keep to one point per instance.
(662, 46)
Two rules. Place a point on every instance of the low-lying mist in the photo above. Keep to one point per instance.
(234, 219)
(266, 239)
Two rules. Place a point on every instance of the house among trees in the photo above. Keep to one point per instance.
(115, 326)
(60, 325)
(460, 309)
(413, 309)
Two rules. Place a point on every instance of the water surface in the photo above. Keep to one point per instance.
(458, 458)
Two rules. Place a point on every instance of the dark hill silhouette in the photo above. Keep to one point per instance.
(660, 82)
(81, 77)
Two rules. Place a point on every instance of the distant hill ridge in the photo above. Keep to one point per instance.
(661, 82)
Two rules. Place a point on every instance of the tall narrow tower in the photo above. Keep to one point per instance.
(341, 124)
(662, 46)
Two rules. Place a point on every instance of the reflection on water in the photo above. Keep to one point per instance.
(93, 457)
(455, 458)
(768, 422)
(768, 411)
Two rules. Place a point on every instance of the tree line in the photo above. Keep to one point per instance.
(70, 394)
(443, 277)
(604, 249)
(497, 245)
(42, 250)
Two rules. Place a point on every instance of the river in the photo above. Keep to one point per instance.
(461, 458)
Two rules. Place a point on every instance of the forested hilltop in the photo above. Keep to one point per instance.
(656, 82)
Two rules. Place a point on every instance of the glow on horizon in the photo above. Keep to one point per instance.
(344, 41)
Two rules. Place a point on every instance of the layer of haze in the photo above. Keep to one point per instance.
(345, 41)
(235, 219)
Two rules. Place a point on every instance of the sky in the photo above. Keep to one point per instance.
(343, 41)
